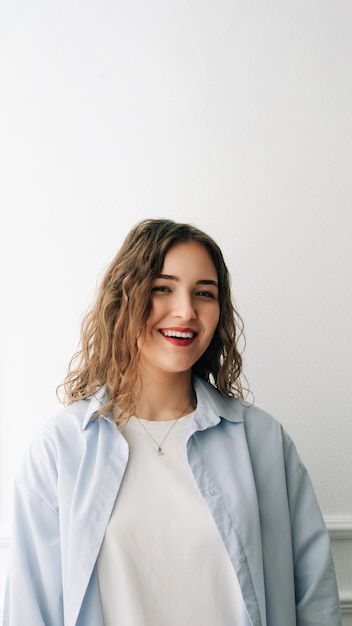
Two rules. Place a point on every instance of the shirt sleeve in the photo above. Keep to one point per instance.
(317, 599)
(34, 582)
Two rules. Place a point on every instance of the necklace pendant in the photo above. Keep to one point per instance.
(160, 451)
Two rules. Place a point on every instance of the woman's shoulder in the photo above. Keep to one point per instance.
(263, 430)
(74, 417)
(267, 434)
(67, 420)
(57, 445)
(64, 432)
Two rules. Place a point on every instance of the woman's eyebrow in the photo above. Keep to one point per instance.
(167, 277)
(203, 281)
(207, 281)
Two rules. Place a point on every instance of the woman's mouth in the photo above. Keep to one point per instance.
(179, 337)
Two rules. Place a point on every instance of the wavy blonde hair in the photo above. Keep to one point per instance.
(109, 354)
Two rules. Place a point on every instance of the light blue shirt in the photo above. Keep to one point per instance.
(248, 471)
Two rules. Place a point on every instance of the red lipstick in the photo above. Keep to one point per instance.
(179, 336)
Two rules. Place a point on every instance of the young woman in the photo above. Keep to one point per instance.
(158, 496)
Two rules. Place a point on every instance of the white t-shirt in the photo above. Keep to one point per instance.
(162, 561)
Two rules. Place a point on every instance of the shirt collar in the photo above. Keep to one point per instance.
(95, 403)
(211, 405)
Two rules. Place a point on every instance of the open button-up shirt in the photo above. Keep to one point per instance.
(248, 471)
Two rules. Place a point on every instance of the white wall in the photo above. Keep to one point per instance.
(235, 116)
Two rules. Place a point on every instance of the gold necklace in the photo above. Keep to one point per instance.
(159, 448)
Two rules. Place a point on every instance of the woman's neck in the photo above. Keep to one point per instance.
(168, 398)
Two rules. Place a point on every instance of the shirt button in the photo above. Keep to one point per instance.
(210, 492)
(242, 558)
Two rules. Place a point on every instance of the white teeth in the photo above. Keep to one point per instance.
(178, 333)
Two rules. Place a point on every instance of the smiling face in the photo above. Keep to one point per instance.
(184, 311)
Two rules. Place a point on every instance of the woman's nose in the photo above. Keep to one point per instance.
(184, 308)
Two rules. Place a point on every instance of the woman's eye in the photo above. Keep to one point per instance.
(205, 294)
(160, 289)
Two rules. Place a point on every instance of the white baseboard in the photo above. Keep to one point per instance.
(339, 526)
(346, 602)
